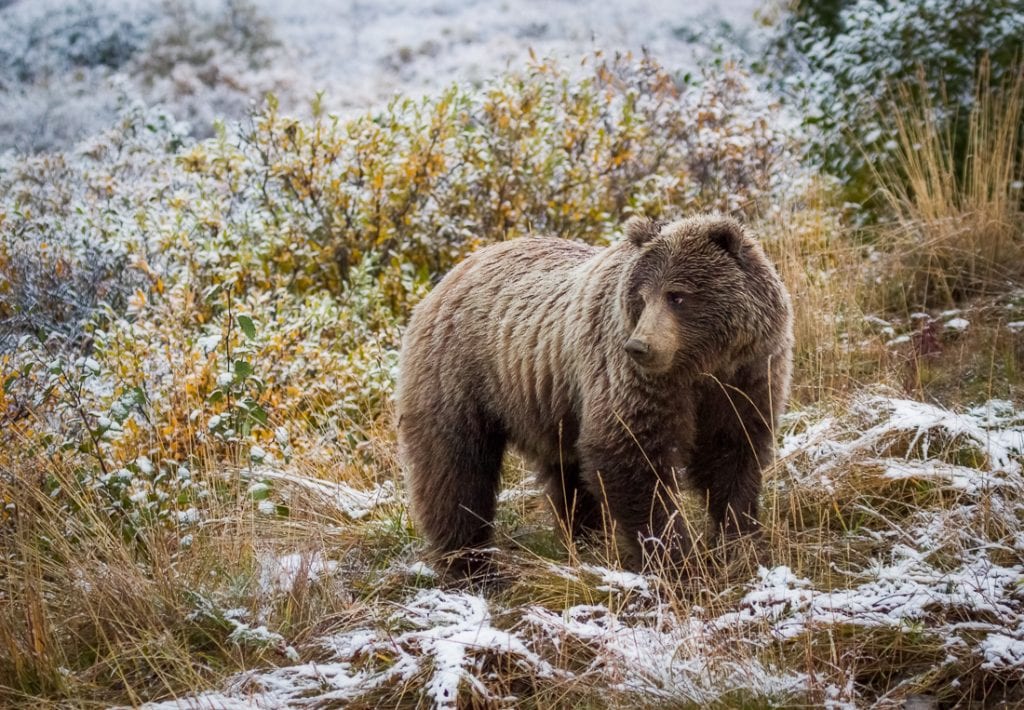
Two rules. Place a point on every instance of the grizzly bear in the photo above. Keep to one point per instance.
(615, 372)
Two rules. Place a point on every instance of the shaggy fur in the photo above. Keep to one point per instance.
(612, 371)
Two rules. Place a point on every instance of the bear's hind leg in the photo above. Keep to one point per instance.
(453, 474)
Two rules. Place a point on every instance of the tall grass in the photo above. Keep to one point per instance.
(92, 617)
(955, 192)
(823, 268)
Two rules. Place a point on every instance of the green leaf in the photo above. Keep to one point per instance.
(9, 383)
(215, 396)
(247, 326)
(242, 369)
(138, 396)
(259, 414)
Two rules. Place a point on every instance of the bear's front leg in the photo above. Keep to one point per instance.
(636, 484)
(735, 441)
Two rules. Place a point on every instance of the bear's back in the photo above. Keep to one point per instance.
(497, 330)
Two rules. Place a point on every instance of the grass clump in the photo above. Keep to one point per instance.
(958, 222)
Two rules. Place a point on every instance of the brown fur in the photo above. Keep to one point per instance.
(612, 371)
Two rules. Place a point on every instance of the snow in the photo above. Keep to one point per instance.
(930, 426)
(1002, 652)
(363, 53)
(673, 662)
(280, 573)
(244, 635)
(352, 502)
(421, 569)
(619, 580)
(451, 633)
(963, 478)
(209, 343)
(188, 517)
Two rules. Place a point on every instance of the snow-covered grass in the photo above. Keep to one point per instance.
(890, 566)
(869, 587)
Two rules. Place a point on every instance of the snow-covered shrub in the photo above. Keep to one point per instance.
(209, 63)
(41, 39)
(849, 57)
(418, 185)
(257, 282)
(71, 228)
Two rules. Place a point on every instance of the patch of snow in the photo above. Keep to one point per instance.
(421, 569)
(1002, 652)
(524, 491)
(258, 489)
(1000, 444)
(245, 635)
(353, 502)
(957, 324)
(963, 478)
(670, 661)
(188, 516)
(208, 343)
(813, 438)
(619, 580)
(280, 573)
(451, 634)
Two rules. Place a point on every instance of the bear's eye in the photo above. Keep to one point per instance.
(677, 298)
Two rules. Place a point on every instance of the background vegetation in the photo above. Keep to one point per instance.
(198, 347)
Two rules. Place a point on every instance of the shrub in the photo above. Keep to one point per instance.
(64, 66)
(842, 66)
(256, 283)
(39, 42)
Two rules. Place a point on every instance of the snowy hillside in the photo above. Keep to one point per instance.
(64, 67)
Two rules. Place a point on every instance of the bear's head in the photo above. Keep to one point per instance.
(698, 290)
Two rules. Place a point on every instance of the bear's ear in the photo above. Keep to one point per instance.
(728, 236)
(641, 230)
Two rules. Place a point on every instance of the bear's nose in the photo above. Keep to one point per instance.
(637, 348)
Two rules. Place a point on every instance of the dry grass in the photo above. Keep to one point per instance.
(957, 230)
(93, 619)
(828, 279)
